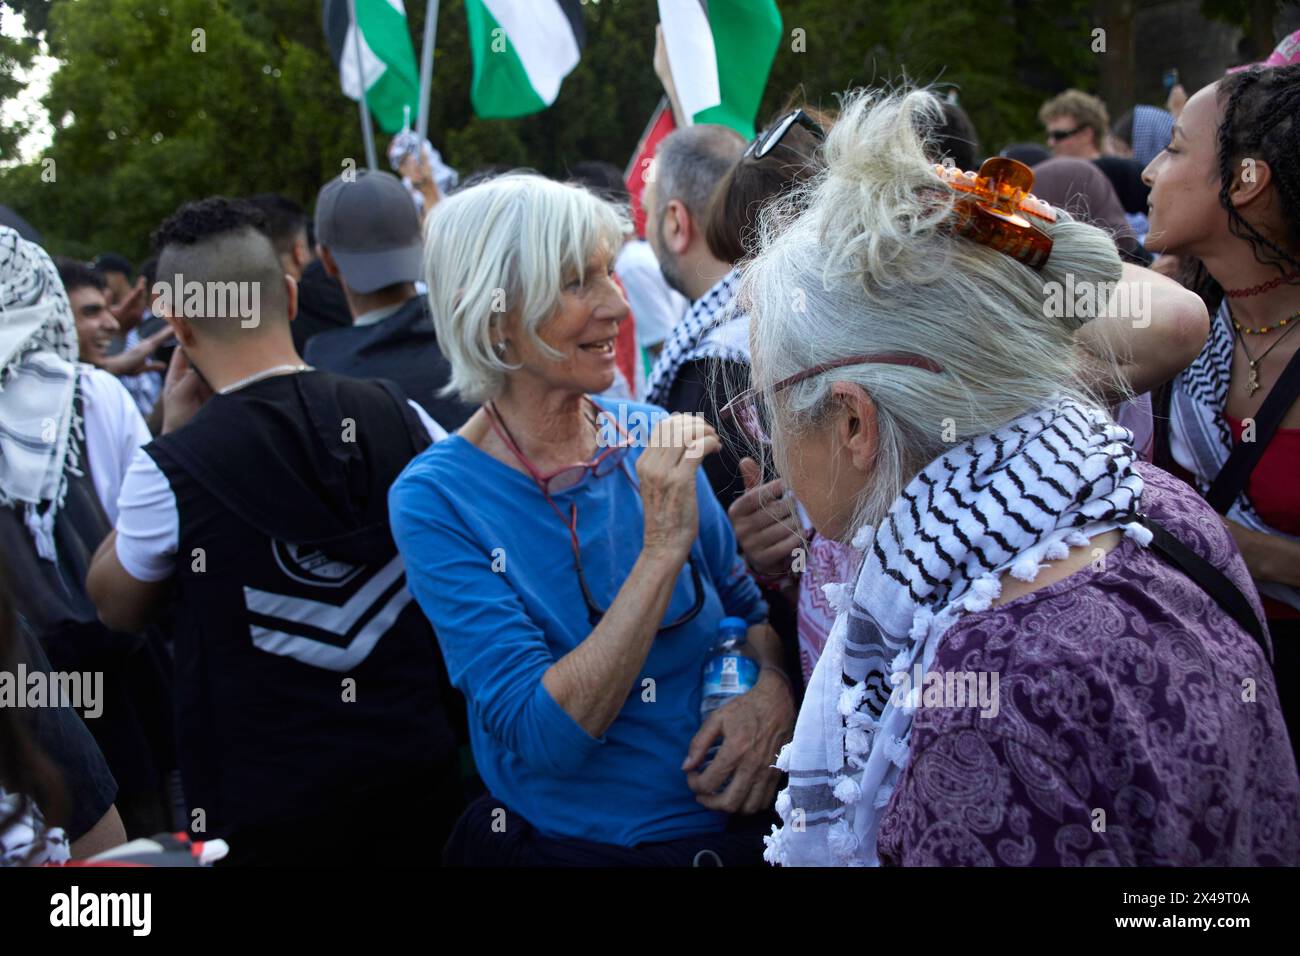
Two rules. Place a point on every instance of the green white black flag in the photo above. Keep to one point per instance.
(388, 72)
(522, 51)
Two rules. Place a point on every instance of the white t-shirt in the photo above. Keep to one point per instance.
(148, 522)
(115, 431)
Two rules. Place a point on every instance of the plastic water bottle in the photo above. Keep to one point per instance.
(730, 669)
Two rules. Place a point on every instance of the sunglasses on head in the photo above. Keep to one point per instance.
(1056, 135)
(771, 137)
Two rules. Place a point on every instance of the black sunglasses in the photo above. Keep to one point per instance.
(1057, 135)
(771, 137)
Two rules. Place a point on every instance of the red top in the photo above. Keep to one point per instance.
(1274, 490)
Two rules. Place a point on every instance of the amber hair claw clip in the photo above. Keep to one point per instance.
(996, 208)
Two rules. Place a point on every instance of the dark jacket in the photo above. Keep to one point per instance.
(321, 305)
(403, 348)
(60, 631)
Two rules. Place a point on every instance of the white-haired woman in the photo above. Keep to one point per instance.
(576, 573)
(1020, 656)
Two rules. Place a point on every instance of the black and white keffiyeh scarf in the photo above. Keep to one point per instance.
(1002, 502)
(40, 434)
(1200, 436)
(690, 340)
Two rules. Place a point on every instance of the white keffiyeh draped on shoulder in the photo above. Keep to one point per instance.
(1002, 502)
(1200, 437)
(40, 436)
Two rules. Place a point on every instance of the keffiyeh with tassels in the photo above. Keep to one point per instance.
(1200, 437)
(1005, 501)
(40, 435)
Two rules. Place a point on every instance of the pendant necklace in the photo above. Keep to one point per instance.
(1252, 375)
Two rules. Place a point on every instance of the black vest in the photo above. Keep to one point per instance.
(305, 672)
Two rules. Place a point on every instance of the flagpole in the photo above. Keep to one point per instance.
(367, 133)
(426, 69)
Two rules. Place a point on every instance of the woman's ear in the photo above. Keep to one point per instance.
(855, 424)
(1251, 181)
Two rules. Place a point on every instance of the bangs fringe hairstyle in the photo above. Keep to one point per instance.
(508, 246)
(863, 259)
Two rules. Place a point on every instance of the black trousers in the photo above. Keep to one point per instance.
(403, 822)
(484, 837)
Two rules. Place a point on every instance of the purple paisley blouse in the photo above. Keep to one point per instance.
(1136, 724)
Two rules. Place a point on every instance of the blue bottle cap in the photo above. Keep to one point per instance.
(733, 625)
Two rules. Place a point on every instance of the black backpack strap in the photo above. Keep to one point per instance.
(1210, 579)
(420, 436)
(1234, 474)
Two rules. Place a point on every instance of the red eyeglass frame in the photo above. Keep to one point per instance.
(544, 481)
(594, 611)
(739, 408)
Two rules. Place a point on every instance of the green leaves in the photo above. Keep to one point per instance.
(159, 114)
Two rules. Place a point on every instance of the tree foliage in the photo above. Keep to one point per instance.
(15, 55)
(146, 116)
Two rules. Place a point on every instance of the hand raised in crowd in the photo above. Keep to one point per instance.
(766, 522)
(753, 728)
(139, 357)
(667, 474)
(184, 392)
(128, 311)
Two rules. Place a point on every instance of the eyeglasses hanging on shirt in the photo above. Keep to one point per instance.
(607, 460)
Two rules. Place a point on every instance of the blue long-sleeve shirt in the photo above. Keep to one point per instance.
(491, 565)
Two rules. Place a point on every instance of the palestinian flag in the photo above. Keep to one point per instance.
(522, 51)
(660, 125)
(388, 72)
(721, 52)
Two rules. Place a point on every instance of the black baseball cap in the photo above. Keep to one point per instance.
(372, 229)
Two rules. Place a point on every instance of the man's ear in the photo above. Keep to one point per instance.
(184, 331)
(291, 291)
(327, 260)
(855, 424)
(1250, 182)
(679, 228)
